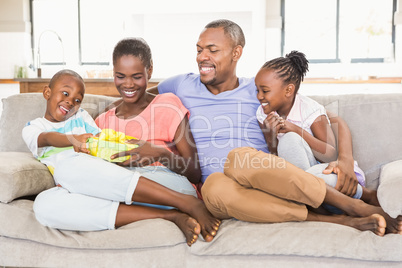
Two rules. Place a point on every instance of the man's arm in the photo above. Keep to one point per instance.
(344, 166)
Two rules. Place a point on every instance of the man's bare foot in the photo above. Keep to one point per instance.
(375, 223)
(209, 224)
(189, 226)
(362, 209)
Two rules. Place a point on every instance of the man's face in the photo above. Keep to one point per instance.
(215, 56)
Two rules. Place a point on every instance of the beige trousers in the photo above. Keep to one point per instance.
(261, 187)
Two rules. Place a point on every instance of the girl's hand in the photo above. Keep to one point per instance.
(79, 142)
(273, 124)
(286, 126)
(145, 154)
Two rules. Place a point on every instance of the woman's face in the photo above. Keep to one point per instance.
(131, 78)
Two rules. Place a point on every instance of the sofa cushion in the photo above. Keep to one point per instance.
(375, 124)
(235, 238)
(22, 175)
(21, 108)
(390, 189)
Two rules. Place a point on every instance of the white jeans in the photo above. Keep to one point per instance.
(92, 189)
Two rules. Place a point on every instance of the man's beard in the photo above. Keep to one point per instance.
(209, 82)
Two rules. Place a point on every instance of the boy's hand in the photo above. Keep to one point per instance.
(79, 142)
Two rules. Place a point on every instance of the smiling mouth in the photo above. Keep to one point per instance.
(64, 110)
(129, 93)
(264, 104)
(206, 70)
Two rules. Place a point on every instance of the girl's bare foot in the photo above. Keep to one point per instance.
(209, 224)
(396, 227)
(189, 226)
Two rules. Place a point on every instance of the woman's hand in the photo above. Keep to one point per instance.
(145, 154)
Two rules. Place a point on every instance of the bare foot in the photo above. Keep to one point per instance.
(189, 226)
(361, 209)
(396, 225)
(375, 223)
(209, 224)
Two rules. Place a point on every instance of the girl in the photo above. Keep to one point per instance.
(100, 195)
(296, 127)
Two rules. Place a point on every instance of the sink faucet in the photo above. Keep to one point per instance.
(39, 70)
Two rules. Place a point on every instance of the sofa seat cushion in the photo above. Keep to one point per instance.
(390, 189)
(234, 237)
(22, 175)
(22, 224)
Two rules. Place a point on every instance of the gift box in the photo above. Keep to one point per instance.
(108, 143)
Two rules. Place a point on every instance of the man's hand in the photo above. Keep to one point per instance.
(347, 180)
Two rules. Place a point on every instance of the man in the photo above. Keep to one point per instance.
(222, 106)
(222, 118)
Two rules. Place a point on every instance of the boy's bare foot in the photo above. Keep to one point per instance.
(189, 226)
(375, 223)
(209, 224)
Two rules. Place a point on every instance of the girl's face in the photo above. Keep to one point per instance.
(131, 78)
(272, 93)
(64, 98)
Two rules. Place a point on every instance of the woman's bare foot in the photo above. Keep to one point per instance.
(189, 226)
(209, 224)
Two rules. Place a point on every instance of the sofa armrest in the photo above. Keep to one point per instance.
(390, 188)
(22, 175)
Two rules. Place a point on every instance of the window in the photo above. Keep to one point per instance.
(83, 33)
(339, 30)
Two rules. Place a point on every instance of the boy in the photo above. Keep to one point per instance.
(65, 128)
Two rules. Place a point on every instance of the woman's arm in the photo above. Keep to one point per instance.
(185, 164)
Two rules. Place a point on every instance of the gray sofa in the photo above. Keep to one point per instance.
(376, 126)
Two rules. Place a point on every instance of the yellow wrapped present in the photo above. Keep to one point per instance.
(108, 143)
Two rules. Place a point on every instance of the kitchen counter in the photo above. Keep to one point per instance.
(97, 86)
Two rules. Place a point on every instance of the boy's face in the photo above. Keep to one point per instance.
(271, 91)
(64, 98)
(131, 78)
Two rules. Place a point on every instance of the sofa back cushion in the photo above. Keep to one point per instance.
(21, 108)
(375, 123)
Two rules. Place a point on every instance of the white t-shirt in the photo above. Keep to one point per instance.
(303, 113)
(80, 123)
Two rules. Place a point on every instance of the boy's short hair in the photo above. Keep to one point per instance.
(64, 72)
(134, 46)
